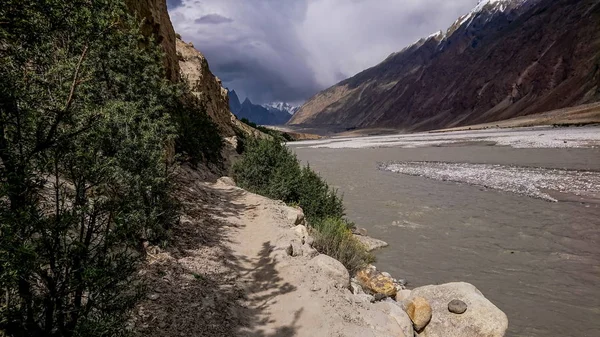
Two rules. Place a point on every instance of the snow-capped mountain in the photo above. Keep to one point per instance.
(278, 114)
(502, 59)
(281, 106)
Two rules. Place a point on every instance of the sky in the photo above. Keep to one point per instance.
(289, 50)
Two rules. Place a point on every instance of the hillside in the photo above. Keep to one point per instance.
(504, 59)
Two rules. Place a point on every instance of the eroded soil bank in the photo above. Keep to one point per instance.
(537, 260)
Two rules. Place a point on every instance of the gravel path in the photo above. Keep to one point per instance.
(533, 182)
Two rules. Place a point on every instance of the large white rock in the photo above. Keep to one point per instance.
(333, 269)
(393, 310)
(482, 318)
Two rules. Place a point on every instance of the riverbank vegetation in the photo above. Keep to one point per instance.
(269, 168)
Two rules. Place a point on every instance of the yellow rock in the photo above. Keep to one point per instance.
(376, 282)
(419, 311)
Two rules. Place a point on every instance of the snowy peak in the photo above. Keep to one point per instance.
(489, 7)
(281, 106)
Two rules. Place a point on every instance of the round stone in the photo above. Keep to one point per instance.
(457, 306)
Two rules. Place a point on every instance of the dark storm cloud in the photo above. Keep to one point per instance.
(212, 19)
(289, 50)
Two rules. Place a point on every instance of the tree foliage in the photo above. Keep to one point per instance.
(84, 176)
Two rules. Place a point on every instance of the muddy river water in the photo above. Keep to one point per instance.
(521, 223)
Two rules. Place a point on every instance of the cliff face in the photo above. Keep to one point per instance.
(183, 62)
(157, 24)
(205, 86)
(506, 58)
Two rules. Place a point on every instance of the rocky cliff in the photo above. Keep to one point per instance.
(205, 86)
(157, 24)
(183, 62)
(504, 59)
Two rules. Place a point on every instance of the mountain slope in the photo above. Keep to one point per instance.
(505, 58)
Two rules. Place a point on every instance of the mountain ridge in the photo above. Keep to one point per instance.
(503, 59)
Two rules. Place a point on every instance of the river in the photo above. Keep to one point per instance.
(516, 213)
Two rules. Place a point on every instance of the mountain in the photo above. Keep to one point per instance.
(273, 114)
(281, 106)
(505, 58)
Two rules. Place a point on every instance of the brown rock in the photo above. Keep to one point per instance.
(377, 283)
(419, 311)
(157, 24)
(205, 86)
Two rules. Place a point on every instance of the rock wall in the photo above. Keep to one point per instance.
(205, 86)
(157, 24)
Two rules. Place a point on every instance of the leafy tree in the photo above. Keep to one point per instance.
(84, 176)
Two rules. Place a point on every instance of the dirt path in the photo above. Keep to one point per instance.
(220, 278)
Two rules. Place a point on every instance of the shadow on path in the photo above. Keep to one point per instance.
(198, 286)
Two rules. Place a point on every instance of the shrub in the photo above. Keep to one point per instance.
(83, 172)
(269, 168)
(334, 238)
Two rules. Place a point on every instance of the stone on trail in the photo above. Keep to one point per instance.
(482, 319)
(374, 281)
(333, 269)
(419, 310)
(227, 181)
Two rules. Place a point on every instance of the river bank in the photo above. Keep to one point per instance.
(241, 265)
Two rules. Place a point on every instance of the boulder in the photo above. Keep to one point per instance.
(355, 288)
(227, 181)
(393, 310)
(374, 281)
(332, 269)
(482, 319)
(370, 243)
(419, 310)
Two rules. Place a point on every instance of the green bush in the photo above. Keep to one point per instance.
(84, 175)
(269, 168)
(334, 238)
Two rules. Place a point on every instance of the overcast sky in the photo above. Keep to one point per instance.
(288, 50)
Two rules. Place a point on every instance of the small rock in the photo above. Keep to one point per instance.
(419, 311)
(301, 231)
(370, 243)
(402, 295)
(379, 297)
(457, 306)
(363, 298)
(386, 274)
(356, 289)
(153, 297)
(359, 231)
(309, 240)
(227, 181)
(295, 248)
(309, 251)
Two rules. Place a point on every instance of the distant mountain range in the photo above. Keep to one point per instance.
(503, 59)
(277, 113)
